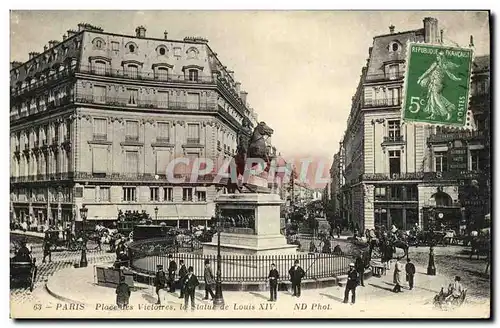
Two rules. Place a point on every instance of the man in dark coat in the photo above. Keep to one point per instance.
(410, 273)
(172, 267)
(160, 281)
(273, 282)
(360, 268)
(23, 254)
(122, 293)
(182, 274)
(352, 283)
(190, 283)
(46, 247)
(209, 280)
(296, 274)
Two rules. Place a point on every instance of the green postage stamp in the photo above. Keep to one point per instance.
(437, 84)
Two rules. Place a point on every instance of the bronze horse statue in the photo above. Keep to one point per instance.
(250, 147)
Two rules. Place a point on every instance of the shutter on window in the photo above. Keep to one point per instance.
(162, 161)
(99, 160)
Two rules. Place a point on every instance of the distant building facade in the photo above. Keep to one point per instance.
(96, 119)
(390, 171)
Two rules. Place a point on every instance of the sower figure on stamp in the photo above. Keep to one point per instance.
(160, 282)
(209, 280)
(296, 274)
(273, 282)
(172, 267)
(182, 274)
(410, 273)
(352, 283)
(190, 283)
(122, 293)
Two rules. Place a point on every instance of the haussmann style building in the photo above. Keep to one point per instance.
(394, 173)
(96, 118)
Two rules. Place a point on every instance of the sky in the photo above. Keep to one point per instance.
(300, 68)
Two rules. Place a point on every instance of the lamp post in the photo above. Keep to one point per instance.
(83, 259)
(218, 299)
(156, 214)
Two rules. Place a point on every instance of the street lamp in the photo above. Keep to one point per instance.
(156, 214)
(83, 215)
(218, 299)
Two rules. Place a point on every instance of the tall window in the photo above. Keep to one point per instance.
(396, 193)
(441, 161)
(394, 130)
(99, 93)
(162, 73)
(132, 71)
(393, 71)
(193, 101)
(100, 129)
(162, 99)
(380, 193)
(99, 67)
(154, 194)
(394, 162)
(132, 162)
(201, 196)
(412, 192)
(193, 133)
(132, 132)
(129, 194)
(133, 95)
(475, 160)
(168, 194)
(187, 194)
(393, 97)
(104, 194)
(193, 75)
(163, 132)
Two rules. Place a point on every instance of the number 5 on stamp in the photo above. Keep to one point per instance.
(437, 84)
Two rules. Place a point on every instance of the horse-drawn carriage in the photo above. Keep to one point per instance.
(23, 268)
(446, 301)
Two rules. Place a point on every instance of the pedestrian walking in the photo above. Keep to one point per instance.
(360, 268)
(160, 282)
(352, 283)
(339, 230)
(172, 267)
(397, 276)
(190, 283)
(182, 274)
(46, 247)
(122, 293)
(410, 273)
(209, 280)
(273, 282)
(296, 274)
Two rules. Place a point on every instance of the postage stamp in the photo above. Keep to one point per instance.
(437, 84)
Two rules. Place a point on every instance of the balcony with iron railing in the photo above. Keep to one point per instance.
(131, 138)
(146, 75)
(396, 139)
(50, 79)
(386, 102)
(100, 137)
(385, 77)
(193, 141)
(449, 136)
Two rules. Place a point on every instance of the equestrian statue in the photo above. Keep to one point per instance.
(250, 145)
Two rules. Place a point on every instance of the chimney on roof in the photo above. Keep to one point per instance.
(70, 33)
(15, 64)
(140, 32)
(431, 30)
(243, 96)
(64, 37)
(45, 48)
(53, 43)
(165, 35)
(391, 29)
(238, 85)
(231, 74)
(33, 54)
(471, 42)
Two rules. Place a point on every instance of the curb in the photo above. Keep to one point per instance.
(61, 298)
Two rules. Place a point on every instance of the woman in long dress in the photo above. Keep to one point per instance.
(398, 267)
(433, 81)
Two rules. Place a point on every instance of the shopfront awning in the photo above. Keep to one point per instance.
(190, 218)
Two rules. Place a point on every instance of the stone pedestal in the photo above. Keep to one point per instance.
(263, 239)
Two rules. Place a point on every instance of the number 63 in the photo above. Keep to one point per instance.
(415, 103)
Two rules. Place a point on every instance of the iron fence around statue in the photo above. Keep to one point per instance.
(147, 254)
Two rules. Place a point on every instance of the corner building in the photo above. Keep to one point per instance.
(96, 118)
(393, 171)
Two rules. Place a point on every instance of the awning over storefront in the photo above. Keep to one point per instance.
(190, 218)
